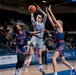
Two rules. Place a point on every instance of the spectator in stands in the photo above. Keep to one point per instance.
(2, 36)
(8, 53)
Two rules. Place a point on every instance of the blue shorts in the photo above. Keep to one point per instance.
(61, 47)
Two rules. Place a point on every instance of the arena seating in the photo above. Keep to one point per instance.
(4, 50)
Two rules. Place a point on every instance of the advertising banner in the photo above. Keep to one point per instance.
(10, 60)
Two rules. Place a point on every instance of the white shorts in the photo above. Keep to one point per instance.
(37, 42)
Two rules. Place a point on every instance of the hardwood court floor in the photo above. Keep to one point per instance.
(33, 69)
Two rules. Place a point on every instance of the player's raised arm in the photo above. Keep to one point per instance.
(44, 14)
(49, 17)
(54, 18)
(32, 19)
(32, 10)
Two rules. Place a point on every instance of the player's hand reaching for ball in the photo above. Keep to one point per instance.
(38, 7)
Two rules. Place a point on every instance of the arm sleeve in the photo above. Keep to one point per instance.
(32, 19)
(44, 16)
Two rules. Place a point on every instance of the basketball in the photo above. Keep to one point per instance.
(32, 8)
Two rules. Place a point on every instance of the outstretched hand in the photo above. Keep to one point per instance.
(49, 8)
(38, 7)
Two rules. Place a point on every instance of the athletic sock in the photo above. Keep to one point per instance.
(55, 73)
(16, 71)
(26, 69)
(41, 69)
(72, 70)
(41, 66)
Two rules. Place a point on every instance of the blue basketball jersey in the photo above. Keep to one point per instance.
(58, 36)
(21, 39)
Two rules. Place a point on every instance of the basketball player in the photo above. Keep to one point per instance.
(21, 44)
(59, 40)
(39, 24)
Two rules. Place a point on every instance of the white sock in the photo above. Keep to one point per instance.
(55, 73)
(19, 69)
(16, 71)
(41, 66)
(72, 68)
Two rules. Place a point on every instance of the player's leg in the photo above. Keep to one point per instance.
(39, 56)
(21, 58)
(31, 49)
(30, 54)
(42, 57)
(67, 64)
(28, 62)
(41, 69)
(61, 51)
(25, 63)
(28, 57)
(39, 51)
(17, 64)
(54, 62)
